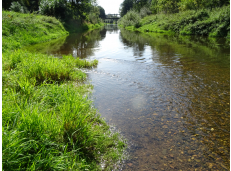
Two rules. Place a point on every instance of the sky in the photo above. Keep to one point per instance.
(110, 6)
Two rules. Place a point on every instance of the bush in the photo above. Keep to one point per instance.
(215, 22)
(93, 18)
(132, 18)
(17, 7)
(56, 8)
(144, 11)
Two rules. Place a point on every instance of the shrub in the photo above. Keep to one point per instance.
(56, 8)
(93, 18)
(144, 11)
(132, 18)
(214, 22)
(17, 7)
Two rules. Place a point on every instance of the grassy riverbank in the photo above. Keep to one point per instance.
(215, 22)
(20, 30)
(48, 123)
(73, 26)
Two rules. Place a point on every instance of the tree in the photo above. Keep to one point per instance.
(168, 6)
(138, 4)
(125, 7)
(80, 8)
(199, 4)
(31, 5)
(101, 12)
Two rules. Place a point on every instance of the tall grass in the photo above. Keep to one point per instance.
(48, 122)
(50, 126)
(45, 68)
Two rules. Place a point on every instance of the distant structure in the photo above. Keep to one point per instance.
(111, 18)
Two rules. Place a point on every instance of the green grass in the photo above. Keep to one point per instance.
(53, 127)
(215, 22)
(20, 30)
(48, 122)
(44, 68)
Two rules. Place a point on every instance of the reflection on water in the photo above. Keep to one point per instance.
(168, 95)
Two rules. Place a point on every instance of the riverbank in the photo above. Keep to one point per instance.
(48, 123)
(18, 29)
(215, 22)
(73, 26)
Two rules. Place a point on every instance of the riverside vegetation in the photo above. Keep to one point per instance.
(182, 19)
(48, 122)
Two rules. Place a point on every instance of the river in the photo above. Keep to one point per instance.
(168, 95)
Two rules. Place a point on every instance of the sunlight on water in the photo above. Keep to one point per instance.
(138, 102)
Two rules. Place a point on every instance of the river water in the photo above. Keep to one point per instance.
(168, 95)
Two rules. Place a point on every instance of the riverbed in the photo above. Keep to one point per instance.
(168, 95)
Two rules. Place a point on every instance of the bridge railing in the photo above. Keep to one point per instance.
(112, 16)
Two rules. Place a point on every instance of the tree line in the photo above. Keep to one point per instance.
(170, 6)
(84, 10)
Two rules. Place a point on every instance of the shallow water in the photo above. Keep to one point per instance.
(168, 95)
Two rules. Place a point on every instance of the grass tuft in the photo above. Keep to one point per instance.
(48, 122)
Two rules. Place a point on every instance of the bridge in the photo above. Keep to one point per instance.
(110, 18)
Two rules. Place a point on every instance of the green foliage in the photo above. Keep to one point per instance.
(54, 128)
(101, 12)
(125, 7)
(214, 22)
(48, 126)
(144, 11)
(48, 123)
(30, 5)
(135, 5)
(174, 6)
(165, 6)
(43, 68)
(132, 18)
(198, 4)
(138, 4)
(19, 30)
(80, 8)
(94, 15)
(56, 8)
(17, 7)
(64, 10)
